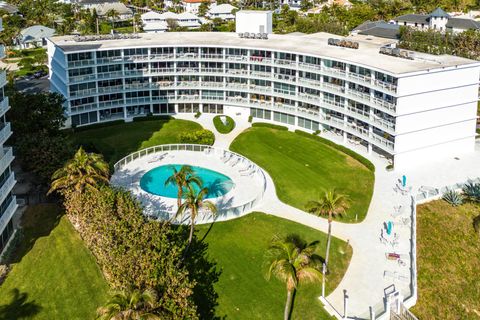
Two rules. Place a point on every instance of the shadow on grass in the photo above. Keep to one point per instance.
(37, 221)
(204, 272)
(19, 308)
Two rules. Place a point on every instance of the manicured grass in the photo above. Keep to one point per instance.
(55, 274)
(302, 167)
(448, 257)
(119, 140)
(222, 128)
(238, 246)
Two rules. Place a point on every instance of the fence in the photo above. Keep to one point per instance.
(224, 212)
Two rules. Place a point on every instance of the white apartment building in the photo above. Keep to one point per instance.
(158, 22)
(222, 11)
(407, 109)
(8, 202)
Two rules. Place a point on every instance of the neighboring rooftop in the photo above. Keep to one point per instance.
(439, 13)
(313, 44)
(414, 18)
(378, 29)
(463, 23)
(36, 33)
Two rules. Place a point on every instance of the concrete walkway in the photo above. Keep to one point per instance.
(370, 276)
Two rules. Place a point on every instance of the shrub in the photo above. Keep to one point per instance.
(453, 198)
(222, 128)
(343, 149)
(476, 224)
(198, 114)
(269, 125)
(4, 269)
(150, 117)
(317, 132)
(472, 191)
(250, 119)
(389, 167)
(203, 136)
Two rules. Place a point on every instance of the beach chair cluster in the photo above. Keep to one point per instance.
(233, 160)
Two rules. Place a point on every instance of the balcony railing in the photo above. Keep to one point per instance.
(4, 106)
(7, 186)
(109, 75)
(111, 103)
(5, 132)
(110, 89)
(109, 60)
(8, 213)
(84, 92)
(6, 158)
(80, 63)
(3, 78)
(83, 108)
(81, 78)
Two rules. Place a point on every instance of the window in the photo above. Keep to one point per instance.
(284, 118)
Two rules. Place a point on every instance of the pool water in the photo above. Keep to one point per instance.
(154, 181)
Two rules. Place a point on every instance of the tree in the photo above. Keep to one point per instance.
(112, 15)
(203, 8)
(293, 261)
(182, 178)
(84, 171)
(330, 204)
(193, 204)
(172, 24)
(129, 305)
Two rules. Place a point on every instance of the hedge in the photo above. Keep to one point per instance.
(203, 136)
(151, 118)
(269, 125)
(341, 148)
(222, 128)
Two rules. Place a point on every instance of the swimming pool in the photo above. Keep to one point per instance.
(154, 181)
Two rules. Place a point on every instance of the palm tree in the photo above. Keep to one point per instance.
(331, 204)
(83, 171)
(182, 179)
(112, 15)
(293, 261)
(129, 305)
(194, 202)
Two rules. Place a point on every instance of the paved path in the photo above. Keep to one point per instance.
(364, 281)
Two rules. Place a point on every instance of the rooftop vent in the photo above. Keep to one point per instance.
(103, 37)
(252, 35)
(396, 52)
(343, 43)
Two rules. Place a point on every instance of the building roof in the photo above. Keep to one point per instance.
(439, 13)
(194, 1)
(151, 15)
(35, 33)
(413, 18)
(314, 44)
(379, 29)
(104, 8)
(153, 26)
(464, 24)
(224, 8)
(10, 8)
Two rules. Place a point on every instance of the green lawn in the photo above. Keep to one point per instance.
(238, 246)
(301, 168)
(119, 140)
(54, 275)
(448, 256)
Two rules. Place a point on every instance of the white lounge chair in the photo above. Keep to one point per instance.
(158, 157)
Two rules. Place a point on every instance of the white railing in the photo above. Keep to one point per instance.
(227, 212)
(8, 213)
(7, 186)
(5, 132)
(4, 105)
(3, 78)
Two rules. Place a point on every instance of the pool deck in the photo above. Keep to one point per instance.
(370, 275)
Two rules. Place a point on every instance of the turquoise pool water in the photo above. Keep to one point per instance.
(154, 181)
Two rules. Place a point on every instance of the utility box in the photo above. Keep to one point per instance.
(253, 21)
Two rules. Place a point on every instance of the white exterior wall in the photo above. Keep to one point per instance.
(435, 109)
(436, 115)
(254, 21)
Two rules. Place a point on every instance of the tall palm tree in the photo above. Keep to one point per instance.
(83, 171)
(331, 203)
(194, 202)
(112, 15)
(129, 305)
(293, 261)
(182, 179)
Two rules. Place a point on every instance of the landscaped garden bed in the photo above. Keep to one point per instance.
(223, 124)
